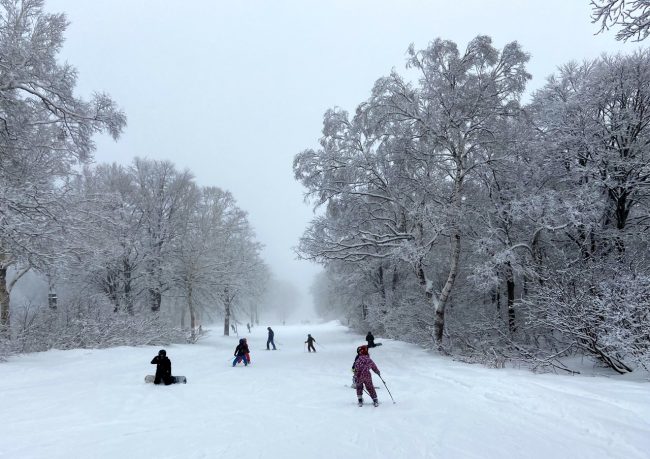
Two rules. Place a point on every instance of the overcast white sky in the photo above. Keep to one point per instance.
(232, 90)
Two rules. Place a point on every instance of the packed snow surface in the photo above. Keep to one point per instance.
(291, 404)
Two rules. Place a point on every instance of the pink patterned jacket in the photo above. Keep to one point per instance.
(363, 366)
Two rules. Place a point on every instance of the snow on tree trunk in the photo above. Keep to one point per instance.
(226, 310)
(4, 303)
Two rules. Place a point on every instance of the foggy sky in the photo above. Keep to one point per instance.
(233, 90)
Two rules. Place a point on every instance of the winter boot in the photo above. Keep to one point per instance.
(360, 402)
(375, 402)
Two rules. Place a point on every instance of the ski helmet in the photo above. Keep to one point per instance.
(162, 352)
(362, 350)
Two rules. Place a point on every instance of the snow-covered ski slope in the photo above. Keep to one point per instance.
(290, 404)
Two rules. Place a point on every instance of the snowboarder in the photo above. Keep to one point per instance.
(371, 340)
(310, 343)
(269, 340)
(163, 368)
(241, 352)
(362, 368)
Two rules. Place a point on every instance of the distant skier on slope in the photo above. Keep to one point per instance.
(362, 368)
(241, 352)
(310, 343)
(163, 368)
(269, 340)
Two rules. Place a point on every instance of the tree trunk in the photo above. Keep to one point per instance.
(156, 299)
(439, 321)
(496, 299)
(51, 294)
(226, 318)
(190, 307)
(128, 299)
(4, 303)
(510, 285)
(380, 280)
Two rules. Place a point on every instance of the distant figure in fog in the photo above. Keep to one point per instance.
(269, 340)
(310, 343)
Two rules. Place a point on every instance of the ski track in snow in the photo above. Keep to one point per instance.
(293, 404)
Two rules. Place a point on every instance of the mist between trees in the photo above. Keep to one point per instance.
(455, 217)
(132, 254)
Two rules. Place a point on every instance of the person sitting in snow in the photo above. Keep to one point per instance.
(310, 343)
(240, 353)
(371, 340)
(362, 368)
(163, 368)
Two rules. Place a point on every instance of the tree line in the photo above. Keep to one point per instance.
(453, 214)
(133, 253)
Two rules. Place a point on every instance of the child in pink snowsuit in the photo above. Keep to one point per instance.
(362, 368)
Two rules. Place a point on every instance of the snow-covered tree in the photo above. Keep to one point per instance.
(631, 16)
(45, 132)
(397, 172)
(165, 199)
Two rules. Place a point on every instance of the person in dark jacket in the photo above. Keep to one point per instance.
(241, 353)
(310, 343)
(163, 368)
(362, 368)
(269, 340)
(371, 340)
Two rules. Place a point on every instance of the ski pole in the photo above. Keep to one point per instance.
(320, 345)
(391, 395)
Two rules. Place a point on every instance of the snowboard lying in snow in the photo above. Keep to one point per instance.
(177, 379)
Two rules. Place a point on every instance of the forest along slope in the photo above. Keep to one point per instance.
(292, 404)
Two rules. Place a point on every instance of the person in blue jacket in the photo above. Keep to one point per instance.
(269, 340)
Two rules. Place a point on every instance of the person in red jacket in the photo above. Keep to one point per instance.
(362, 367)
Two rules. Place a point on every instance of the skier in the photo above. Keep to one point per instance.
(241, 352)
(269, 340)
(248, 326)
(362, 368)
(310, 343)
(248, 354)
(354, 376)
(163, 368)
